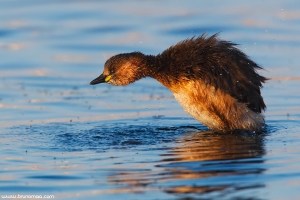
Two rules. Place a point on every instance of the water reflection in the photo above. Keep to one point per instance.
(205, 162)
(209, 145)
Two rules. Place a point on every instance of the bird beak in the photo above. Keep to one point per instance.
(100, 79)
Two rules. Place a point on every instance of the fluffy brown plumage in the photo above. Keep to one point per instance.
(212, 80)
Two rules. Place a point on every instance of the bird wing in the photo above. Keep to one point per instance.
(220, 64)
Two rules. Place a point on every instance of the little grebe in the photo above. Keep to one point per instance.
(211, 79)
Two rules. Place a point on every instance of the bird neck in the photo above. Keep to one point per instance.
(155, 67)
(147, 64)
(151, 66)
(158, 68)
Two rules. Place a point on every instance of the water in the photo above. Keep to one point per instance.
(60, 136)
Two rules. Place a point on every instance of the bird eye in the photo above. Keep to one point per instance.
(112, 71)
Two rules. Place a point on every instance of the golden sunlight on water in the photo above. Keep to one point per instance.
(198, 157)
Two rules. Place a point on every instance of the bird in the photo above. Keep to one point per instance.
(212, 79)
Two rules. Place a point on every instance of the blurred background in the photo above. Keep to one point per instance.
(51, 50)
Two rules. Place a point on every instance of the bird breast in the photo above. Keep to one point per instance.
(214, 108)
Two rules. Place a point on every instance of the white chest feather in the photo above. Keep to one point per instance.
(195, 108)
(216, 109)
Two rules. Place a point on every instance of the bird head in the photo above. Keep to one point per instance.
(122, 69)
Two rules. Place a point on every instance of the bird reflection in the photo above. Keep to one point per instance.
(210, 145)
(204, 162)
(209, 158)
